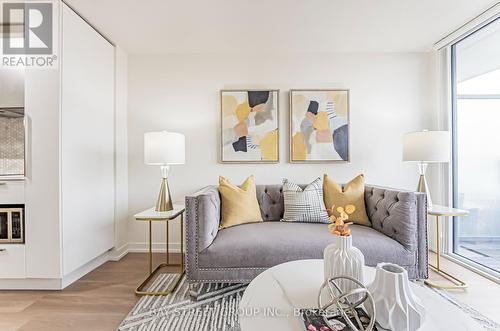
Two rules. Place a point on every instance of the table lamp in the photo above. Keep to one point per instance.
(164, 149)
(426, 147)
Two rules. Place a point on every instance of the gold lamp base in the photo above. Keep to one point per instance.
(164, 202)
(422, 183)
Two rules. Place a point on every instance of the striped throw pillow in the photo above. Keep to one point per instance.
(304, 205)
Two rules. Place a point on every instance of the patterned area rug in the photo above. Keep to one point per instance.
(216, 308)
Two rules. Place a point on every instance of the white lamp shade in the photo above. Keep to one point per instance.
(164, 148)
(427, 146)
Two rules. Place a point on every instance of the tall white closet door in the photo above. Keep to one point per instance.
(87, 142)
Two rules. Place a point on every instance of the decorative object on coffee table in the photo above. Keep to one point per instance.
(150, 216)
(396, 306)
(294, 285)
(346, 304)
(438, 212)
(164, 149)
(426, 147)
(340, 257)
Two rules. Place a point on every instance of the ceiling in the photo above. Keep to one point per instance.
(260, 26)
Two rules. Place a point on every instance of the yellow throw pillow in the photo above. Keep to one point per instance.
(352, 194)
(239, 205)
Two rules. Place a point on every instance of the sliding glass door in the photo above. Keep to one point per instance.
(476, 146)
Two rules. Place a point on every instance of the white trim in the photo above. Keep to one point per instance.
(116, 254)
(31, 284)
(472, 266)
(61, 283)
(59, 140)
(16, 178)
(116, 221)
(486, 17)
(85, 269)
(143, 247)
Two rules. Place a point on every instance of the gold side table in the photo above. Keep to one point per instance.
(442, 211)
(150, 215)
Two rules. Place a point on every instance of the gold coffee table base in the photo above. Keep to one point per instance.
(140, 290)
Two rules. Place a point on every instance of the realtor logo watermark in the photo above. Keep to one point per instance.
(28, 34)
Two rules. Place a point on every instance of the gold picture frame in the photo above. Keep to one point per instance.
(242, 133)
(306, 144)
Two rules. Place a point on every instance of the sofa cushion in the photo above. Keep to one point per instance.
(353, 193)
(239, 204)
(266, 244)
(304, 205)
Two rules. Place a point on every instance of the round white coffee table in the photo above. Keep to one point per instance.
(272, 298)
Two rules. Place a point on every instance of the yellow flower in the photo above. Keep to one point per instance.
(331, 228)
(350, 209)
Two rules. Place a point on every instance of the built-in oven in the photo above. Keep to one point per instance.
(11, 224)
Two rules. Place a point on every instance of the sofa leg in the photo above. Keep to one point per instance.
(194, 289)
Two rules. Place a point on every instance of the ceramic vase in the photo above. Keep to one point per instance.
(342, 259)
(397, 308)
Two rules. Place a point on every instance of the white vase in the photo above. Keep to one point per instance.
(397, 308)
(342, 259)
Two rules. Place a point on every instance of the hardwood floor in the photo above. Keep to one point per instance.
(102, 299)
(98, 301)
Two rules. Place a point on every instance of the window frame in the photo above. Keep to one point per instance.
(452, 245)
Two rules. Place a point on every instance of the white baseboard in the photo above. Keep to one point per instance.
(85, 269)
(143, 247)
(31, 284)
(116, 254)
(54, 283)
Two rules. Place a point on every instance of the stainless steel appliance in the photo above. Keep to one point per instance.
(12, 224)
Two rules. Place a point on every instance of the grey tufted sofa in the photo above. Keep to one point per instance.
(240, 253)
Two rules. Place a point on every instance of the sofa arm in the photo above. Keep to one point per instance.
(402, 216)
(202, 224)
(394, 213)
(202, 217)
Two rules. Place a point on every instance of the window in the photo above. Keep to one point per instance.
(476, 146)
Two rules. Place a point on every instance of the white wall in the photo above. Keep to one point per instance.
(87, 143)
(11, 86)
(390, 95)
(121, 150)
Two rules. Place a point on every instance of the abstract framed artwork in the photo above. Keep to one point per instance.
(319, 126)
(249, 126)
